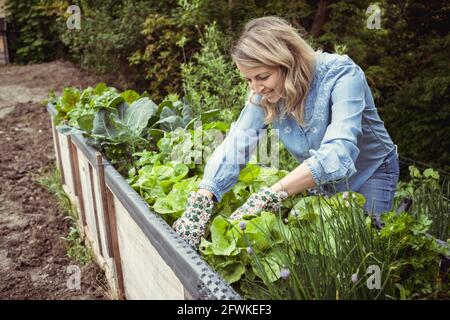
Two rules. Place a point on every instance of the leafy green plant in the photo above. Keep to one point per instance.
(430, 197)
(158, 178)
(77, 250)
(74, 104)
(107, 121)
(251, 178)
(121, 124)
(417, 263)
(119, 132)
(193, 146)
(165, 178)
(174, 204)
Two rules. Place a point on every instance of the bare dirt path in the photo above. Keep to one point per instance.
(33, 259)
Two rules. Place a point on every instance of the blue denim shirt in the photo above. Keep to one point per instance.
(342, 141)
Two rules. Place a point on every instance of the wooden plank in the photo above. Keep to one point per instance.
(102, 206)
(66, 163)
(145, 274)
(57, 151)
(73, 153)
(98, 181)
(89, 240)
(71, 196)
(187, 295)
(114, 242)
(89, 204)
(96, 209)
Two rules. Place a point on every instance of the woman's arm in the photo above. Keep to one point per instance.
(223, 167)
(335, 158)
(298, 180)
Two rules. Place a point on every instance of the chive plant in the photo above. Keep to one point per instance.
(323, 256)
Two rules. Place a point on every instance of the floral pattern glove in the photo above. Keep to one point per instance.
(191, 225)
(266, 199)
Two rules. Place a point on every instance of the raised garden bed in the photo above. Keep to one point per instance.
(142, 256)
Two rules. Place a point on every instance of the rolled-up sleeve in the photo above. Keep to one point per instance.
(223, 167)
(335, 159)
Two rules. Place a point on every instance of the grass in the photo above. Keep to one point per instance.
(77, 250)
(50, 179)
(327, 252)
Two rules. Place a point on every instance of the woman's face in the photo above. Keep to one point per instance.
(264, 80)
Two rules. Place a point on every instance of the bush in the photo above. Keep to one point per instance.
(33, 35)
(406, 66)
(211, 80)
(110, 33)
(140, 40)
(420, 109)
(168, 40)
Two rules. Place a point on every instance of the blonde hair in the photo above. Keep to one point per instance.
(273, 42)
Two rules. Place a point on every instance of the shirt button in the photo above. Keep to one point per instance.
(318, 117)
(288, 130)
(314, 129)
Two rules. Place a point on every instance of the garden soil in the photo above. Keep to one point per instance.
(33, 256)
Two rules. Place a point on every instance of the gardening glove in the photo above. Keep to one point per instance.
(264, 200)
(191, 225)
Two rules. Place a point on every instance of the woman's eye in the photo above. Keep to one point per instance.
(259, 78)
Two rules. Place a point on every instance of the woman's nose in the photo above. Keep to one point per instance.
(256, 88)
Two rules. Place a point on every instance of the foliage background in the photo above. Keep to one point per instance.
(164, 47)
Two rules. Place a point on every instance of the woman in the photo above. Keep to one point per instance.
(324, 112)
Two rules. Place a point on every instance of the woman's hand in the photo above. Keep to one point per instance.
(191, 225)
(264, 200)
